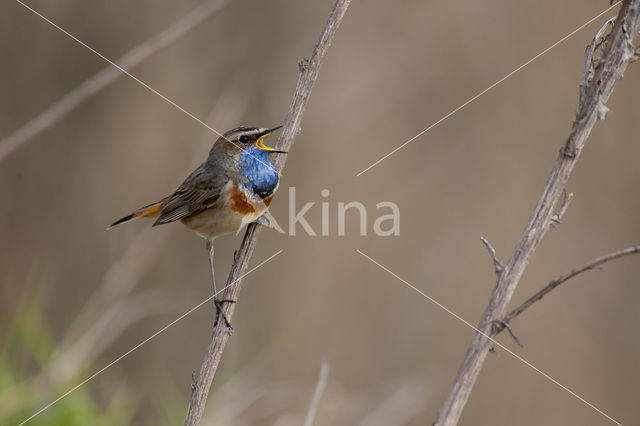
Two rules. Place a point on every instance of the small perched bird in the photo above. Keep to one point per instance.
(233, 188)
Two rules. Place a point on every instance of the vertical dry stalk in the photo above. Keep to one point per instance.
(309, 70)
(597, 85)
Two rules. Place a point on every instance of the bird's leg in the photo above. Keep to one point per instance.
(217, 302)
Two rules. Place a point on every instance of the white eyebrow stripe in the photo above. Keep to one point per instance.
(248, 132)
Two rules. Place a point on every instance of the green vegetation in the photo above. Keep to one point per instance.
(25, 385)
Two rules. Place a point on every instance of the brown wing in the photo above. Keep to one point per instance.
(198, 192)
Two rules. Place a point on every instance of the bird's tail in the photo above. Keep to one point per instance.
(152, 210)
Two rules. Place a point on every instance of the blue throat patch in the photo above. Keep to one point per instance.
(255, 165)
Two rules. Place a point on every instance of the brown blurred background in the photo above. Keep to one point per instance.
(394, 68)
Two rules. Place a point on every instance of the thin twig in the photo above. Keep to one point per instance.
(566, 277)
(291, 128)
(614, 57)
(107, 76)
(317, 394)
(557, 217)
(497, 265)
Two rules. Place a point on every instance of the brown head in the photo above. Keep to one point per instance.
(229, 148)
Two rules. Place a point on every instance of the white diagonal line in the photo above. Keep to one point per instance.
(106, 76)
(495, 342)
(452, 112)
(142, 83)
(147, 339)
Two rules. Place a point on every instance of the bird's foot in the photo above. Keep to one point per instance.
(219, 313)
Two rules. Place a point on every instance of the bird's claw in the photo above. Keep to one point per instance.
(219, 313)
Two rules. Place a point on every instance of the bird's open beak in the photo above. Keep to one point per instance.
(260, 142)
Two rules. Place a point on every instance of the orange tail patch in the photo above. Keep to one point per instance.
(149, 210)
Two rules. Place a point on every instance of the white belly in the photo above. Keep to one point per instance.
(213, 222)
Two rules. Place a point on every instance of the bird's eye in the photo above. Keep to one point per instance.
(244, 139)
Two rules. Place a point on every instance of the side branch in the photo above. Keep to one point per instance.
(564, 278)
(497, 265)
(291, 127)
(615, 53)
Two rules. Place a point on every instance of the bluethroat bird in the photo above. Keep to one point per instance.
(233, 188)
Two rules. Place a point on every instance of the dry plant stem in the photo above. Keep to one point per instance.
(597, 87)
(200, 388)
(107, 76)
(309, 70)
(564, 278)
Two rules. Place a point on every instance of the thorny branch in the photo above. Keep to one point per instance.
(616, 50)
(308, 73)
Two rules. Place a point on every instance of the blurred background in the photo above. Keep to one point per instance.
(74, 298)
